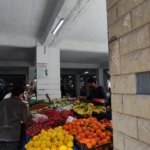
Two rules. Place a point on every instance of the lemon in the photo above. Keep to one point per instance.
(47, 138)
(70, 138)
(36, 143)
(46, 149)
(69, 144)
(43, 131)
(63, 147)
(53, 147)
(61, 138)
(53, 134)
(56, 142)
(65, 141)
(35, 138)
(60, 143)
(69, 148)
(60, 127)
(28, 145)
(48, 144)
(38, 148)
(43, 145)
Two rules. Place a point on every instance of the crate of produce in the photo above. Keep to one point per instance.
(82, 146)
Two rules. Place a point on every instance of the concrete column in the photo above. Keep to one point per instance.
(50, 84)
(77, 87)
(100, 76)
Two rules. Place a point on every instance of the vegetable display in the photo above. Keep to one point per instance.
(54, 118)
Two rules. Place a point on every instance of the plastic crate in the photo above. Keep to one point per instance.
(82, 146)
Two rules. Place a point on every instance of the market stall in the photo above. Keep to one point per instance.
(69, 126)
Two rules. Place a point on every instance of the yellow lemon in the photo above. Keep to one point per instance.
(69, 148)
(60, 143)
(63, 147)
(35, 138)
(69, 144)
(36, 143)
(70, 138)
(56, 142)
(38, 148)
(43, 131)
(46, 149)
(53, 147)
(43, 145)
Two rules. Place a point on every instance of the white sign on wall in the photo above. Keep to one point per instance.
(42, 70)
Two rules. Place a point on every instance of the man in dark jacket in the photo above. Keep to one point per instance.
(97, 93)
(12, 112)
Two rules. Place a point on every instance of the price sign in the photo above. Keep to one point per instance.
(59, 108)
(70, 119)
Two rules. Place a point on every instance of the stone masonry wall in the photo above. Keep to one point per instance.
(129, 52)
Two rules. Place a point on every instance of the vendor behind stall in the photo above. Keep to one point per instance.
(97, 93)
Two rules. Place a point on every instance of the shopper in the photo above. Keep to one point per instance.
(12, 112)
(97, 93)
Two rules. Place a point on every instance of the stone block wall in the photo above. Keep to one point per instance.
(129, 53)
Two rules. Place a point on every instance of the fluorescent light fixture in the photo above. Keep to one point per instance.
(27, 85)
(86, 72)
(59, 25)
(34, 80)
(94, 76)
(70, 76)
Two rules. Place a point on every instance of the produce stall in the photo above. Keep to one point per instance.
(74, 128)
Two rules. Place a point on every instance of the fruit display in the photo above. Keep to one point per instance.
(61, 102)
(54, 118)
(52, 139)
(89, 132)
(87, 109)
(37, 107)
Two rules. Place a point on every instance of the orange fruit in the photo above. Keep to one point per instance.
(93, 142)
(99, 143)
(108, 138)
(86, 133)
(94, 135)
(109, 134)
(90, 137)
(89, 145)
(104, 141)
(78, 137)
(82, 135)
(102, 135)
(98, 132)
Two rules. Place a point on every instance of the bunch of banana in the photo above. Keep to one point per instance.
(86, 109)
(99, 109)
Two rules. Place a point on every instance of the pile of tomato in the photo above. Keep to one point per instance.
(37, 107)
(54, 119)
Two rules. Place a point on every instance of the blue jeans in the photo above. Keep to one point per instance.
(8, 145)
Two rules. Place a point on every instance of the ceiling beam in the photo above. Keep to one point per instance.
(17, 41)
(83, 46)
(14, 64)
(79, 66)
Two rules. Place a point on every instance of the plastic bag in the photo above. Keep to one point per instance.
(39, 118)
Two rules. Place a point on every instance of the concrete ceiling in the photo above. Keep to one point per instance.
(25, 18)
(17, 54)
(82, 39)
(83, 57)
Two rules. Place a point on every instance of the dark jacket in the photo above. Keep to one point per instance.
(12, 112)
(98, 92)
